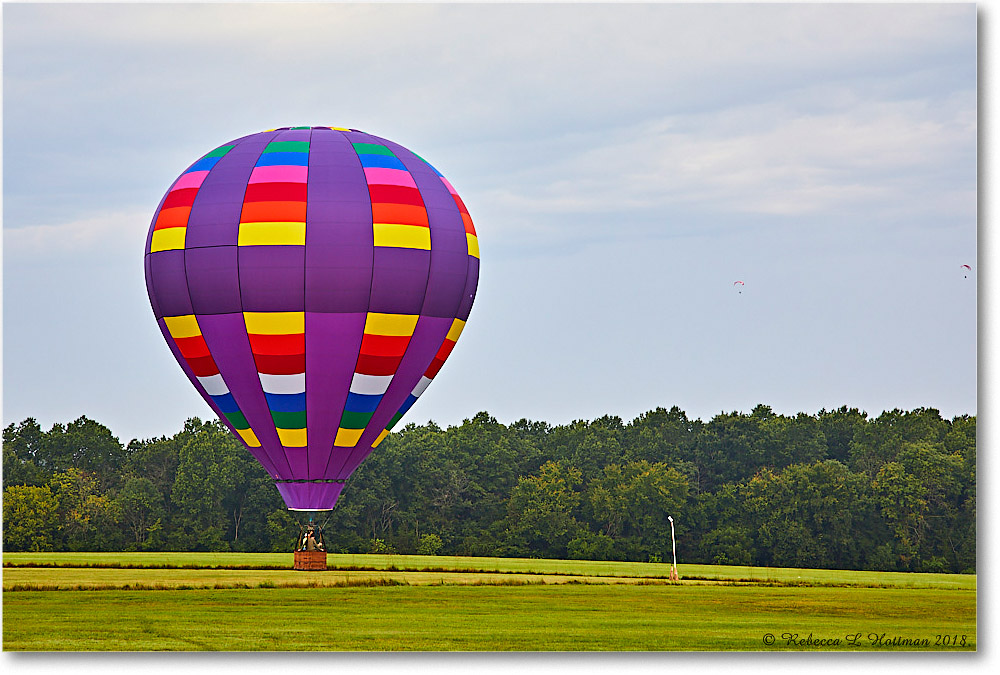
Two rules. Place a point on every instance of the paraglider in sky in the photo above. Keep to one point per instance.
(965, 271)
(311, 282)
(738, 285)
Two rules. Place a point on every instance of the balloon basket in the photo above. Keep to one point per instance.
(310, 561)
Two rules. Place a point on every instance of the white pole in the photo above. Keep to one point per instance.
(673, 544)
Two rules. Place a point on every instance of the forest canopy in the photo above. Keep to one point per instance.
(836, 489)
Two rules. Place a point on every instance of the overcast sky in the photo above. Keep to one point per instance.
(624, 165)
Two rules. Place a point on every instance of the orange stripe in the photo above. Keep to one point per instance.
(468, 223)
(173, 217)
(400, 214)
(273, 212)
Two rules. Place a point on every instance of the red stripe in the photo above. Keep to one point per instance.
(271, 364)
(192, 347)
(461, 204)
(203, 366)
(445, 350)
(275, 192)
(395, 194)
(377, 365)
(384, 345)
(278, 344)
(433, 369)
(182, 197)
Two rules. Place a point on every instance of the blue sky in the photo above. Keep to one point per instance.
(624, 165)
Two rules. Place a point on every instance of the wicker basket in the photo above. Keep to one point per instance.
(310, 560)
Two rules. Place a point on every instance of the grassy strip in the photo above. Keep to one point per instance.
(531, 617)
(468, 565)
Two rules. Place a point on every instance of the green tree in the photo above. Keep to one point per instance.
(142, 513)
(541, 509)
(30, 518)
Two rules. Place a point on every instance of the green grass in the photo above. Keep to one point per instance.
(248, 602)
(492, 618)
(589, 568)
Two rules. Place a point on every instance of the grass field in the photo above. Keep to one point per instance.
(237, 602)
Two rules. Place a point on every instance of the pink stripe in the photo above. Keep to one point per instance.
(279, 174)
(190, 180)
(448, 185)
(379, 176)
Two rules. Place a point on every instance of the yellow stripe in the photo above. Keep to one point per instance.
(182, 326)
(275, 323)
(272, 234)
(402, 236)
(249, 437)
(473, 242)
(390, 324)
(380, 437)
(292, 438)
(167, 239)
(457, 326)
(347, 438)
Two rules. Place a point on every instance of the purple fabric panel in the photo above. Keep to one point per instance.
(292, 135)
(215, 214)
(339, 240)
(449, 264)
(166, 272)
(208, 399)
(272, 278)
(399, 280)
(428, 335)
(470, 289)
(149, 287)
(212, 279)
(226, 337)
(310, 496)
(298, 461)
(332, 345)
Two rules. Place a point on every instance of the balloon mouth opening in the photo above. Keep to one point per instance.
(310, 495)
(309, 510)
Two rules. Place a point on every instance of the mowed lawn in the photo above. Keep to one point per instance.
(551, 606)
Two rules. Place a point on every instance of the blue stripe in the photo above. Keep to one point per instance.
(407, 404)
(286, 402)
(204, 164)
(226, 403)
(284, 159)
(362, 402)
(381, 162)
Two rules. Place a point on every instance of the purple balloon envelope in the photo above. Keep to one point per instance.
(311, 281)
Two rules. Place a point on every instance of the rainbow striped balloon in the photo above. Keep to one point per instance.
(311, 282)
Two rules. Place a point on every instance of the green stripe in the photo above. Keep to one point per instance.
(289, 420)
(220, 151)
(355, 420)
(237, 420)
(287, 146)
(392, 422)
(372, 149)
(294, 128)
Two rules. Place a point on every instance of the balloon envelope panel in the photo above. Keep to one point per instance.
(311, 281)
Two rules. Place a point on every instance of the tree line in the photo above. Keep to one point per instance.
(837, 489)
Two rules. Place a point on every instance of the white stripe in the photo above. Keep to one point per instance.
(283, 384)
(370, 384)
(421, 385)
(214, 385)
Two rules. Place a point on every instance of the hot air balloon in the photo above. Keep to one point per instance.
(311, 282)
(965, 270)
